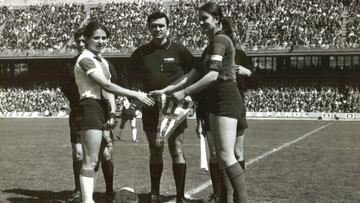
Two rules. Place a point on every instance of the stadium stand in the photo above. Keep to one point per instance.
(259, 24)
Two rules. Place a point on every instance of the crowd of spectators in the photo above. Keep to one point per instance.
(281, 23)
(285, 97)
(270, 97)
(258, 25)
(126, 22)
(352, 25)
(38, 98)
(45, 27)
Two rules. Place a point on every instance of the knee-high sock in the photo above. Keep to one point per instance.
(237, 179)
(108, 171)
(76, 168)
(134, 134)
(215, 178)
(179, 171)
(87, 185)
(156, 170)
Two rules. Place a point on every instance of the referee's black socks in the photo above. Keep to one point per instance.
(156, 170)
(179, 171)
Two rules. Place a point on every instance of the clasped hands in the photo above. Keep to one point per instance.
(177, 96)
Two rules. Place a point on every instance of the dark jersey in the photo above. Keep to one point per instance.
(128, 113)
(242, 81)
(68, 85)
(153, 67)
(219, 56)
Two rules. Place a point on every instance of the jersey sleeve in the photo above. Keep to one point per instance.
(217, 52)
(87, 66)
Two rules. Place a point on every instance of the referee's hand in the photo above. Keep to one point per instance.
(143, 97)
(179, 95)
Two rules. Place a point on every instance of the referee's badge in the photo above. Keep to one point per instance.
(169, 60)
(166, 61)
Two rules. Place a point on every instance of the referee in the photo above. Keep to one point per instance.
(151, 67)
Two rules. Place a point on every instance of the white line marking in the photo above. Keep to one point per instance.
(251, 161)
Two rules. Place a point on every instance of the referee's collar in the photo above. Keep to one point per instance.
(166, 45)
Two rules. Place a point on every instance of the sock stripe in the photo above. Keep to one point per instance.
(87, 173)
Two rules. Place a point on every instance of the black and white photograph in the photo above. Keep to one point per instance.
(179, 101)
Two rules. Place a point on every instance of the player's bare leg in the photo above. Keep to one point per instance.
(224, 130)
(91, 142)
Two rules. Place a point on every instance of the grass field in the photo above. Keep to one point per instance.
(288, 161)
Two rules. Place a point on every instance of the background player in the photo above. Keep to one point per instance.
(70, 91)
(128, 113)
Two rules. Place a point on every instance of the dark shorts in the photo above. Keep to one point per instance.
(202, 114)
(225, 100)
(92, 114)
(241, 125)
(129, 113)
(150, 119)
(74, 124)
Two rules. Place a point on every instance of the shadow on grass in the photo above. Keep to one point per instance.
(46, 196)
(145, 198)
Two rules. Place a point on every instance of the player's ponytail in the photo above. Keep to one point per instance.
(228, 28)
(215, 10)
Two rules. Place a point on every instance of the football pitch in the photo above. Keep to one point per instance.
(287, 161)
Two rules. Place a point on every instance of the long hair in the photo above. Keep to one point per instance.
(215, 10)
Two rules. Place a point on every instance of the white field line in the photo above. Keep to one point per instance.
(256, 159)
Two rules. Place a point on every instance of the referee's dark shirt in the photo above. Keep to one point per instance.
(153, 67)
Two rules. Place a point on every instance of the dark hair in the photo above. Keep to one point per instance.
(91, 27)
(156, 15)
(78, 34)
(215, 10)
